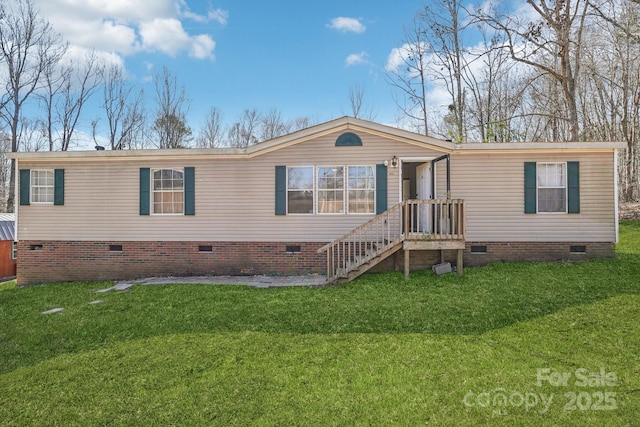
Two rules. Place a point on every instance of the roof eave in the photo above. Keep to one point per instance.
(497, 147)
(343, 123)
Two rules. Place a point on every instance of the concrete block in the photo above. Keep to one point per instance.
(441, 268)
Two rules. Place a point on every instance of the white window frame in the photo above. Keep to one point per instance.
(346, 185)
(32, 185)
(345, 190)
(565, 187)
(153, 191)
(313, 189)
(317, 192)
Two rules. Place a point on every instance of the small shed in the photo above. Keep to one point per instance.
(7, 236)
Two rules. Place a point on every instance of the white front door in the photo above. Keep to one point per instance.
(423, 181)
(423, 187)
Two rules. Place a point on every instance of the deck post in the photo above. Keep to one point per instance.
(460, 264)
(441, 256)
(407, 253)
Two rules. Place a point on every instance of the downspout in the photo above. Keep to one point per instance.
(16, 204)
(615, 193)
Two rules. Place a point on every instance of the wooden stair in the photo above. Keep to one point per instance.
(427, 224)
(363, 265)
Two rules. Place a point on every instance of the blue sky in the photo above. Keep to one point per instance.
(299, 57)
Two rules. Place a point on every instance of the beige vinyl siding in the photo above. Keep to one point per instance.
(234, 197)
(492, 185)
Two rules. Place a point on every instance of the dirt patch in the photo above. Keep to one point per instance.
(629, 210)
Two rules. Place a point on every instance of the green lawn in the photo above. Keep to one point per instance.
(431, 350)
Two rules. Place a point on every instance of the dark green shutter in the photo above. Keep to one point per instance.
(145, 188)
(58, 187)
(281, 190)
(189, 191)
(573, 187)
(25, 187)
(530, 193)
(381, 188)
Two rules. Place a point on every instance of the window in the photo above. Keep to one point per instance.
(361, 189)
(331, 189)
(300, 190)
(552, 187)
(42, 186)
(328, 189)
(168, 191)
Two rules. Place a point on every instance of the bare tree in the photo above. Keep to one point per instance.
(53, 80)
(28, 46)
(408, 72)
(272, 125)
(67, 90)
(211, 134)
(124, 110)
(170, 124)
(356, 102)
(244, 132)
(610, 89)
(301, 123)
(494, 90)
(5, 168)
(444, 27)
(552, 44)
(31, 136)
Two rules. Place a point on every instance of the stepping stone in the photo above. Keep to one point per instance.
(98, 301)
(53, 310)
(118, 287)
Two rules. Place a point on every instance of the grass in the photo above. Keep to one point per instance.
(377, 351)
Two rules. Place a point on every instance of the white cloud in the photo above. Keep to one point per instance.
(127, 27)
(397, 57)
(356, 59)
(79, 54)
(219, 15)
(202, 47)
(347, 25)
(119, 10)
(168, 36)
(394, 59)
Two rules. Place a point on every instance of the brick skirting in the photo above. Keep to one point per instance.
(503, 252)
(59, 261)
(535, 251)
(62, 261)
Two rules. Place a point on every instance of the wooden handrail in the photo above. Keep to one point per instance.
(437, 219)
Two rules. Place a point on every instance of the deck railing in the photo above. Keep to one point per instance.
(437, 219)
(440, 219)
